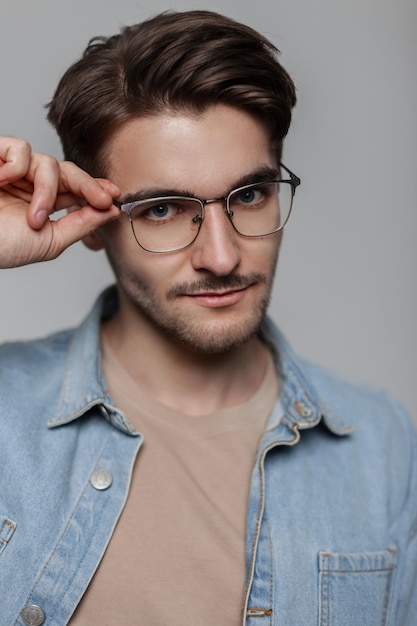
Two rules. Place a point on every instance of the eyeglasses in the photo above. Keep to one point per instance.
(170, 223)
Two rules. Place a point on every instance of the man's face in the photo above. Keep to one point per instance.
(213, 295)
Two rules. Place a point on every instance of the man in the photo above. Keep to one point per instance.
(142, 451)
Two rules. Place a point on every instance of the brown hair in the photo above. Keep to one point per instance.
(172, 62)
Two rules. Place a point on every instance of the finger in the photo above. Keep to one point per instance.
(14, 159)
(98, 192)
(18, 191)
(56, 182)
(69, 200)
(24, 191)
(23, 184)
(44, 171)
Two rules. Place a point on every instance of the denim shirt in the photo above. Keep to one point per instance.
(332, 511)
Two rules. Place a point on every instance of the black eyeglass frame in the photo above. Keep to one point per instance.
(293, 180)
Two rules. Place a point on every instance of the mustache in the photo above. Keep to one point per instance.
(215, 283)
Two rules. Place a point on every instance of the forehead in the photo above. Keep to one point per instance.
(203, 153)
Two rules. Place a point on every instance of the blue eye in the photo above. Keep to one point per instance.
(160, 210)
(248, 196)
(163, 211)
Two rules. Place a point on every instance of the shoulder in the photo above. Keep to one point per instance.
(383, 443)
(26, 359)
(31, 374)
(357, 404)
(381, 428)
(361, 405)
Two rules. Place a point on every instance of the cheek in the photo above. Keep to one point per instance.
(128, 259)
(115, 234)
(265, 254)
(120, 244)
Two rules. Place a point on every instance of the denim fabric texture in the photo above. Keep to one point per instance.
(332, 511)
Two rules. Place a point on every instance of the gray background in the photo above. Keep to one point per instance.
(345, 293)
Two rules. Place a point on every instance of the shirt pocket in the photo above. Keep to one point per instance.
(355, 587)
(7, 528)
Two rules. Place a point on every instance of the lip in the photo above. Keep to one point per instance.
(218, 299)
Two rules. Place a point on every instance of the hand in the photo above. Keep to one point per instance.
(32, 187)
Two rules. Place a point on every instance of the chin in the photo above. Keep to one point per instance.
(214, 337)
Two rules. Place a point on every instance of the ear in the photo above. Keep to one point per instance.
(93, 241)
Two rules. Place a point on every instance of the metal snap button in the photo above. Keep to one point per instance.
(101, 479)
(33, 615)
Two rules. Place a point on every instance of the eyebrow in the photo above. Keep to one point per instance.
(260, 175)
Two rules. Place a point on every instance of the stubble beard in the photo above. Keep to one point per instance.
(191, 332)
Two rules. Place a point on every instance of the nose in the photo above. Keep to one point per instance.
(216, 248)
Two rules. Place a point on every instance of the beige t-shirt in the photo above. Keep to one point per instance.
(177, 556)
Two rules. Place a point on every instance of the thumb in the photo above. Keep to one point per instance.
(77, 225)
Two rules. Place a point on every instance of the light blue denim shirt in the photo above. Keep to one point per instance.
(332, 513)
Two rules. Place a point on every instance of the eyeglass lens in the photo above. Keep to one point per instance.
(171, 223)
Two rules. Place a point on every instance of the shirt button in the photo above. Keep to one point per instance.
(33, 615)
(101, 479)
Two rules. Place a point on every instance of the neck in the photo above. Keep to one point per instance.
(187, 380)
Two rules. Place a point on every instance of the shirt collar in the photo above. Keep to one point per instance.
(303, 407)
(84, 387)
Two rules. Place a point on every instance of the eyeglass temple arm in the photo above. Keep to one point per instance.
(295, 180)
